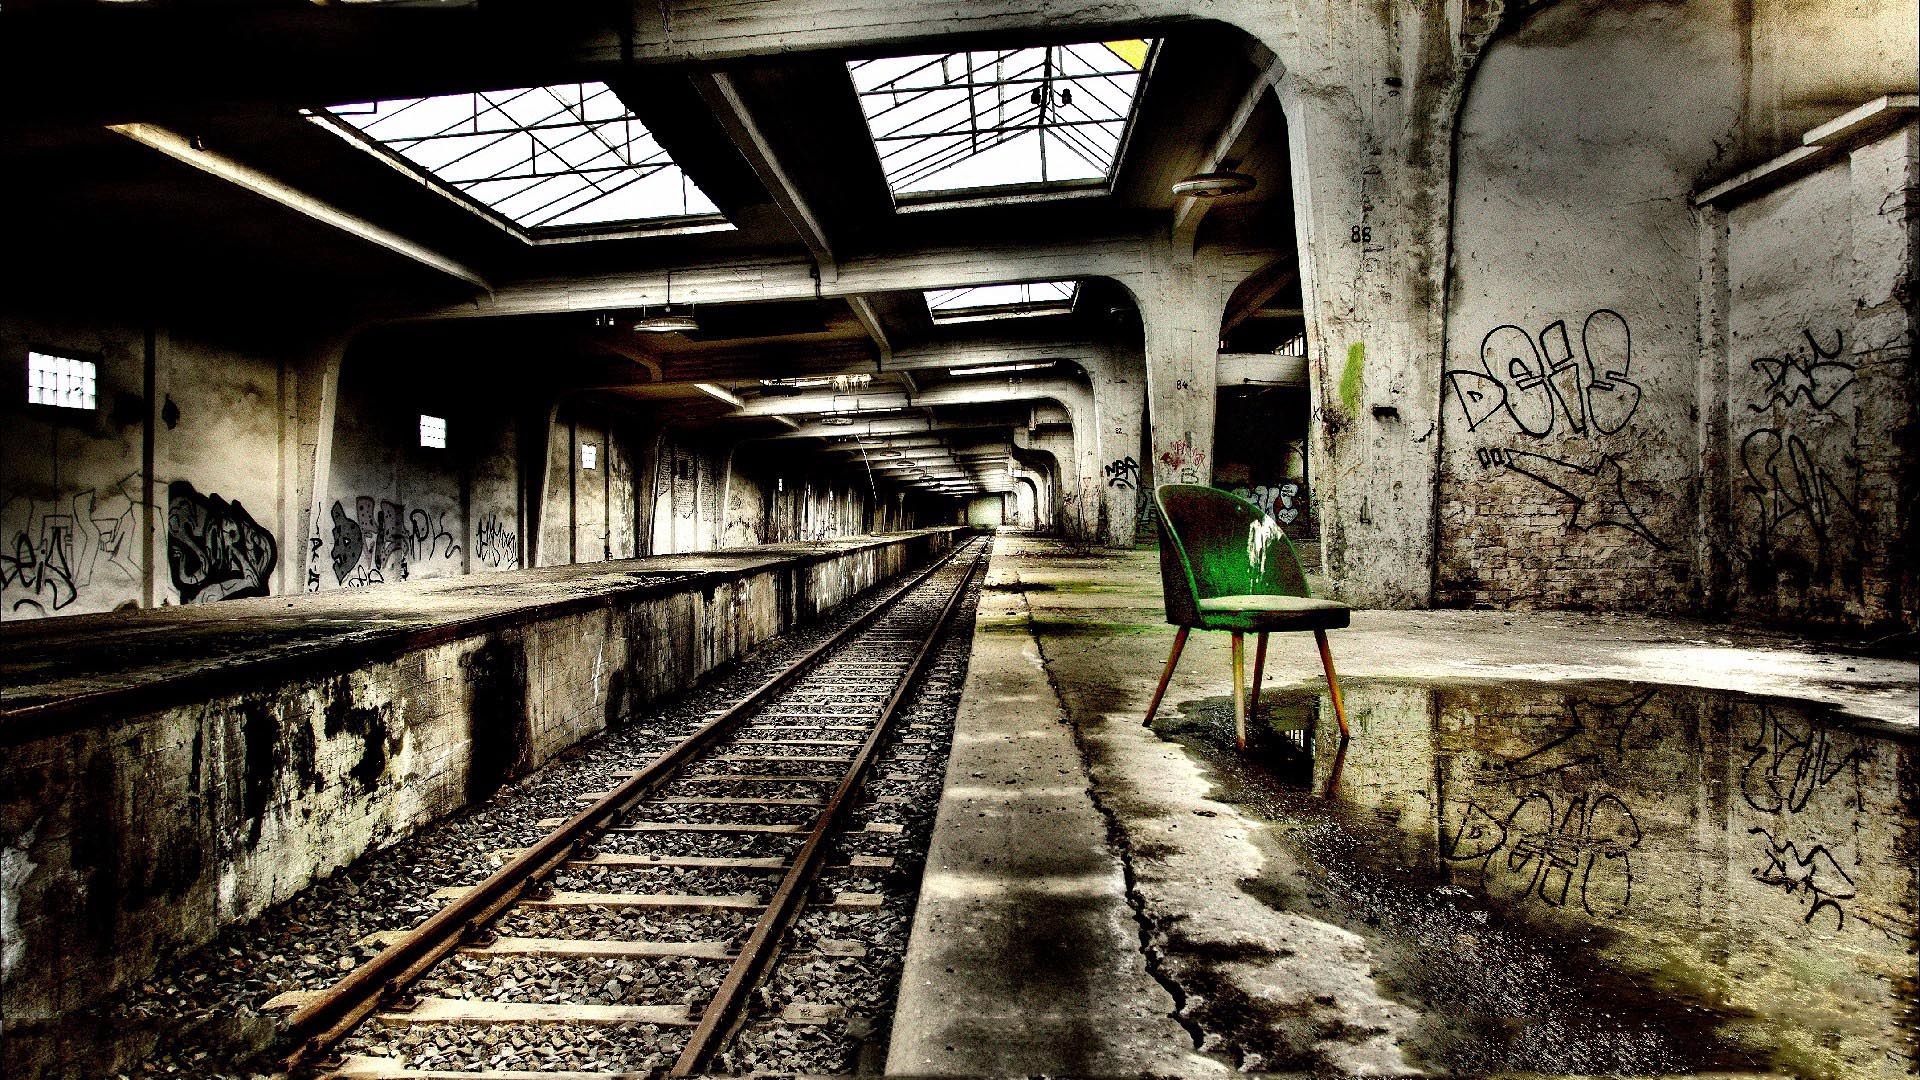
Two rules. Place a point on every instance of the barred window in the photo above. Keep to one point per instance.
(60, 381)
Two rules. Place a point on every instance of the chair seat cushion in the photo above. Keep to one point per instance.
(1256, 613)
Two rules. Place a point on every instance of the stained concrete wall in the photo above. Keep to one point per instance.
(710, 494)
(167, 493)
(1572, 452)
(1819, 436)
(190, 481)
(987, 511)
(147, 821)
(397, 510)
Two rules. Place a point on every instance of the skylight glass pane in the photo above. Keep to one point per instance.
(953, 121)
(540, 156)
(1001, 301)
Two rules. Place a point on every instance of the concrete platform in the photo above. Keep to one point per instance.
(1556, 844)
(171, 772)
(66, 671)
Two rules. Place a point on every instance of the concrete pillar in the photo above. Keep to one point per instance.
(1180, 311)
(314, 405)
(1119, 403)
(1370, 125)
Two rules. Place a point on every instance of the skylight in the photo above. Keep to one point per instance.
(543, 157)
(981, 302)
(956, 121)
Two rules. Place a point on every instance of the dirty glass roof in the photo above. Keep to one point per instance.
(981, 302)
(982, 119)
(542, 157)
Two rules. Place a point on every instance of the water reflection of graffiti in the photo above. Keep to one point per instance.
(1816, 376)
(1594, 739)
(1582, 852)
(215, 550)
(1122, 472)
(1789, 763)
(1598, 491)
(496, 545)
(1812, 876)
(54, 553)
(1537, 386)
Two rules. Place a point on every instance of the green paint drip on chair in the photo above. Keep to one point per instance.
(1350, 378)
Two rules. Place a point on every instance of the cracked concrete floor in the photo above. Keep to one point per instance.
(1557, 844)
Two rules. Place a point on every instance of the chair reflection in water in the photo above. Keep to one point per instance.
(1225, 565)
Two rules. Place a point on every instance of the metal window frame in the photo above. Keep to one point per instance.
(330, 118)
(1017, 191)
(994, 312)
(92, 360)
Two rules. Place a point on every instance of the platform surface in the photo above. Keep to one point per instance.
(1099, 897)
(46, 663)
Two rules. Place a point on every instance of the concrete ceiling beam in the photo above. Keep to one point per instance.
(918, 425)
(877, 330)
(1260, 369)
(181, 149)
(996, 351)
(723, 97)
(986, 391)
(1122, 257)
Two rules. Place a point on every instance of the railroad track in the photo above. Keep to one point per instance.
(716, 845)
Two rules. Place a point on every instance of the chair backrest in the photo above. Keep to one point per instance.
(1215, 543)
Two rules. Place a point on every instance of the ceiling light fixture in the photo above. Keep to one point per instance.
(1213, 185)
(666, 322)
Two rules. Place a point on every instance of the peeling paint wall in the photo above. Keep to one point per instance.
(1577, 457)
(167, 492)
(1819, 397)
(1568, 453)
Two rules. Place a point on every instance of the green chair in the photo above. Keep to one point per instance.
(1224, 565)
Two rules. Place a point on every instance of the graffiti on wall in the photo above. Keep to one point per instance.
(1597, 492)
(1283, 502)
(494, 544)
(1804, 507)
(1540, 386)
(78, 550)
(215, 550)
(1122, 473)
(382, 541)
(1817, 376)
(1536, 387)
(1184, 462)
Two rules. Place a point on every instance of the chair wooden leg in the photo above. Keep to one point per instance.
(1259, 668)
(1240, 690)
(1333, 681)
(1179, 642)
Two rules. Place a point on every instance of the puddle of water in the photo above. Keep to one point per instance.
(1601, 877)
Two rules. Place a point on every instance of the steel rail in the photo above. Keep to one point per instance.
(717, 1022)
(320, 1023)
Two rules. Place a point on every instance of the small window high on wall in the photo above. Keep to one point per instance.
(60, 381)
(433, 431)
